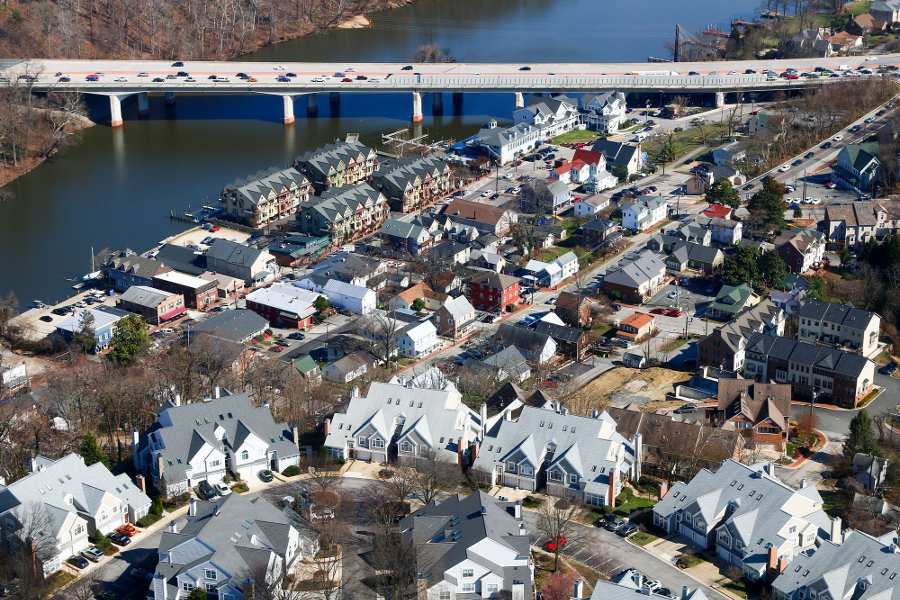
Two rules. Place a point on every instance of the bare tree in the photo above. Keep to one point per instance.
(431, 477)
(86, 586)
(381, 331)
(557, 519)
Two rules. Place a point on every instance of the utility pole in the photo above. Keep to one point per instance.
(677, 42)
(804, 186)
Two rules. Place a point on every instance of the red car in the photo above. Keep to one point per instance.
(755, 112)
(793, 76)
(518, 163)
(580, 145)
(658, 311)
(277, 349)
(214, 228)
(346, 80)
(673, 312)
(126, 529)
(557, 542)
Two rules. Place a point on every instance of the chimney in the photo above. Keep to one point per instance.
(460, 453)
(410, 384)
(508, 415)
(177, 399)
(173, 527)
(141, 483)
(517, 509)
(136, 448)
(327, 426)
(613, 476)
(564, 411)
(835, 535)
(522, 530)
(401, 380)
(772, 561)
(483, 415)
(685, 592)
(32, 465)
(474, 448)
(248, 588)
(483, 510)
(578, 588)
(802, 483)
(192, 509)
(217, 392)
(354, 393)
(638, 579)
(296, 435)
(663, 489)
(595, 413)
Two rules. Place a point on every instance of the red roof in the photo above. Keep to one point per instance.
(588, 156)
(565, 168)
(717, 210)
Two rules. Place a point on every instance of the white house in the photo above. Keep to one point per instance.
(354, 298)
(603, 112)
(552, 116)
(201, 441)
(417, 339)
(508, 143)
(568, 263)
(591, 206)
(726, 232)
(644, 214)
(67, 500)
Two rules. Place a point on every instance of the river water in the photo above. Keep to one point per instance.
(115, 189)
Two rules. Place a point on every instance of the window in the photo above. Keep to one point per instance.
(445, 596)
(79, 529)
(555, 476)
(104, 516)
(187, 586)
(209, 574)
(793, 529)
(511, 466)
(492, 588)
(468, 587)
(527, 470)
(573, 478)
(468, 572)
(245, 455)
(115, 509)
(405, 447)
(378, 443)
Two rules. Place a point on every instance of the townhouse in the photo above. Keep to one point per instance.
(225, 545)
(203, 441)
(408, 237)
(603, 112)
(198, 294)
(125, 269)
(751, 518)
(853, 225)
(801, 250)
(563, 454)
(336, 165)
(731, 300)
(105, 320)
(250, 265)
(284, 305)
(483, 217)
(644, 214)
(267, 196)
(413, 184)
(726, 345)
(858, 165)
(404, 422)
(825, 374)
(155, 306)
(758, 411)
(552, 116)
(537, 347)
(570, 341)
(493, 292)
(344, 213)
(839, 325)
(597, 232)
(66, 501)
(851, 564)
(618, 154)
(455, 318)
(636, 277)
(472, 547)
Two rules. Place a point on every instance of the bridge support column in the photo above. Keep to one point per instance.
(417, 107)
(720, 99)
(312, 105)
(334, 98)
(170, 97)
(288, 109)
(115, 111)
(143, 104)
(520, 100)
(437, 103)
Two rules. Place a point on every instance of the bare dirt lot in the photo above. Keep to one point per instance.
(622, 386)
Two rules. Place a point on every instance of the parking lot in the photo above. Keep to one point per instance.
(693, 297)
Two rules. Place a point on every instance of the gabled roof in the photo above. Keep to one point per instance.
(145, 296)
(638, 320)
(497, 281)
(522, 338)
(845, 315)
(616, 153)
(235, 325)
(459, 308)
(559, 332)
(347, 289)
(718, 211)
(633, 272)
(128, 262)
(756, 401)
(474, 211)
(403, 229)
(822, 357)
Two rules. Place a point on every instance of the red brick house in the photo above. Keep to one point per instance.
(755, 410)
(492, 292)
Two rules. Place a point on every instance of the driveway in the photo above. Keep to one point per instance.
(610, 554)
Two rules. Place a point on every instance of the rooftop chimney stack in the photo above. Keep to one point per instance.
(684, 592)
(192, 509)
(578, 588)
(173, 527)
(835, 535)
(217, 392)
(177, 399)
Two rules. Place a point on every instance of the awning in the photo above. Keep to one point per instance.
(172, 314)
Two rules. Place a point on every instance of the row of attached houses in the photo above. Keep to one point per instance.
(337, 165)
(725, 346)
(751, 518)
(344, 213)
(840, 325)
(853, 225)
(801, 249)
(412, 184)
(266, 196)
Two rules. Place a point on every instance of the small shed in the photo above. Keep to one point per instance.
(634, 360)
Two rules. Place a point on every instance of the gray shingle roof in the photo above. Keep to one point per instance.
(236, 325)
(845, 315)
(808, 354)
(634, 272)
(145, 296)
(231, 253)
(128, 262)
(559, 332)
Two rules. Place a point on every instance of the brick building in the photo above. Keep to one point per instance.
(492, 292)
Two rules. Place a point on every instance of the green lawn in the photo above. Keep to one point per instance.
(642, 538)
(575, 136)
(549, 254)
(601, 328)
(689, 140)
(736, 587)
(883, 358)
(674, 344)
(836, 504)
(870, 396)
(632, 505)
(857, 7)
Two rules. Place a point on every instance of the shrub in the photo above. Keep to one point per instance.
(156, 507)
(236, 476)
(510, 308)
(291, 471)
(629, 493)
(148, 520)
(622, 498)
(227, 478)
(606, 509)
(240, 488)
(101, 541)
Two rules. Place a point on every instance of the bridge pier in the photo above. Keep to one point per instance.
(288, 109)
(520, 100)
(170, 98)
(437, 103)
(143, 104)
(312, 105)
(115, 111)
(334, 98)
(417, 107)
(720, 99)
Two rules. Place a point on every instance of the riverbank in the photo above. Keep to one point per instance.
(9, 173)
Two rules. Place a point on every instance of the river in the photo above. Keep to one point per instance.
(116, 187)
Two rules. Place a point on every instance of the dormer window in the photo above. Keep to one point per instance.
(245, 455)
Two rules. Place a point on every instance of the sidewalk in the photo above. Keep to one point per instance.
(707, 571)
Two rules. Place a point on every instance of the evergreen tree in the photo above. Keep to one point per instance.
(772, 269)
(862, 436)
(846, 258)
(85, 337)
(197, 593)
(741, 267)
(130, 341)
(91, 452)
(723, 192)
(766, 209)
(798, 213)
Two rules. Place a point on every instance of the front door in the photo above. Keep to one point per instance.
(351, 451)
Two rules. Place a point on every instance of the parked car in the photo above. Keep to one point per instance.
(92, 554)
(673, 312)
(658, 311)
(47, 319)
(616, 525)
(686, 408)
(205, 491)
(118, 539)
(888, 368)
(266, 475)
(628, 530)
(126, 529)
(297, 336)
(606, 520)
(78, 562)
(140, 573)
(276, 349)
(222, 489)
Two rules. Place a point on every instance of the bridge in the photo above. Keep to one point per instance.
(121, 79)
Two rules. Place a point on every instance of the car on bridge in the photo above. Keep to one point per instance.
(252, 79)
(143, 74)
(65, 79)
(190, 80)
(178, 64)
(317, 80)
(407, 68)
(278, 68)
(92, 78)
(290, 74)
(526, 68)
(158, 80)
(346, 80)
(283, 78)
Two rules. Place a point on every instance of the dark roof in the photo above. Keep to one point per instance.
(616, 153)
(232, 253)
(829, 359)
(559, 332)
(842, 314)
(495, 280)
(520, 337)
(182, 259)
(447, 249)
(128, 262)
(756, 401)
(652, 427)
(509, 393)
(235, 325)
(599, 225)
